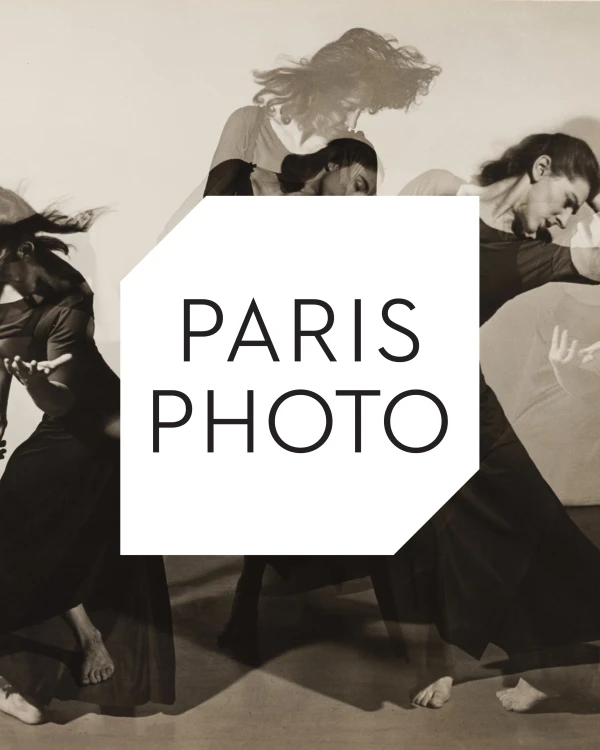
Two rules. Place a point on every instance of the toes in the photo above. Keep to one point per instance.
(423, 698)
(508, 702)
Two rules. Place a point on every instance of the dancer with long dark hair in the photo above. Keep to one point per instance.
(501, 562)
(78, 621)
(346, 166)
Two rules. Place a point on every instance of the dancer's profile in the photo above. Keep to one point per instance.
(502, 562)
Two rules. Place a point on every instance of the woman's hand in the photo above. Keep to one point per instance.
(52, 397)
(571, 365)
(562, 353)
(32, 373)
(590, 357)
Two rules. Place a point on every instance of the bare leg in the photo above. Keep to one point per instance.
(436, 667)
(426, 653)
(97, 666)
(240, 635)
(14, 704)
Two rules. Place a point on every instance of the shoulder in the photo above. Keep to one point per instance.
(245, 117)
(434, 182)
(238, 134)
(71, 300)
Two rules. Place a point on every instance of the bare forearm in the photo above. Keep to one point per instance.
(587, 261)
(54, 399)
(585, 245)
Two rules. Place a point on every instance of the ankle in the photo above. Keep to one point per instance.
(90, 638)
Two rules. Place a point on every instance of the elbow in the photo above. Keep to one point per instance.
(58, 411)
(60, 407)
(587, 262)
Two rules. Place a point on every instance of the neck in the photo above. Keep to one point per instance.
(296, 139)
(498, 202)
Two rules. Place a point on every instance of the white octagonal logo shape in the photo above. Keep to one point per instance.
(300, 377)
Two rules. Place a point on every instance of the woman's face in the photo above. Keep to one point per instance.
(550, 201)
(350, 106)
(344, 112)
(353, 179)
(14, 265)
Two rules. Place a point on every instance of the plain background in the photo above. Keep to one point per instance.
(121, 103)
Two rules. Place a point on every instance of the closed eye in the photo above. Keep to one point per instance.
(572, 203)
(360, 185)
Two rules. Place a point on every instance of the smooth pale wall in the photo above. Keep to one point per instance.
(121, 103)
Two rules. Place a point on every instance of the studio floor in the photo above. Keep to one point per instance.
(329, 680)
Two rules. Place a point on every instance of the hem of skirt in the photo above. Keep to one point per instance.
(112, 705)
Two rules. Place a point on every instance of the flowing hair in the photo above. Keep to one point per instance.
(39, 228)
(362, 63)
(57, 277)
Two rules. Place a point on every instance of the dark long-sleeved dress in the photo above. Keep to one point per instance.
(59, 527)
(501, 562)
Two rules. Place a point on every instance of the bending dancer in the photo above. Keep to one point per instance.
(301, 107)
(77, 620)
(502, 562)
(346, 166)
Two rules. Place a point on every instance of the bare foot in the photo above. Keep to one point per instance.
(13, 704)
(97, 665)
(521, 698)
(434, 695)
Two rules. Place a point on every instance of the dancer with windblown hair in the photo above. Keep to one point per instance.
(78, 621)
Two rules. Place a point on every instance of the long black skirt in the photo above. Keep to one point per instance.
(501, 562)
(59, 547)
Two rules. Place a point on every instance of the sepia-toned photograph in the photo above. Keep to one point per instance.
(119, 118)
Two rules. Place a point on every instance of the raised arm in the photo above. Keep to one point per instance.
(585, 245)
